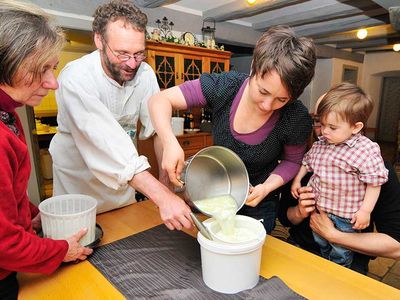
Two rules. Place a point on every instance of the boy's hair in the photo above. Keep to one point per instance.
(115, 10)
(292, 57)
(347, 100)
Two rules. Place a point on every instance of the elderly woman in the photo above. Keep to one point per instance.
(29, 48)
(258, 117)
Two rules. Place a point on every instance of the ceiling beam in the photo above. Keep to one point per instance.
(394, 13)
(241, 9)
(153, 3)
(225, 31)
(324, 51)
(375, 49)
(351, 36)
(363, 44)
(316, 11)
(371, 18)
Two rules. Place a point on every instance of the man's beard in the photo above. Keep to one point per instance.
(115, 70)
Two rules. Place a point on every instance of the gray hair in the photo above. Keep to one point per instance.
(28, 39)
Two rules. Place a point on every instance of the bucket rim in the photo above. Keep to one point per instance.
(231, 248)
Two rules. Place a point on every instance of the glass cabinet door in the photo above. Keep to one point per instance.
(165, 69)
(192, 68)
(217, 67)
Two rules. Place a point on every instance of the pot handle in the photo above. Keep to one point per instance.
(250, 186)
(180, 189)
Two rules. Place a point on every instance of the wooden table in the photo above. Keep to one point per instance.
(305, 273)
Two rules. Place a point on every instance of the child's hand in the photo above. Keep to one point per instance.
(360, 219)
(295, 188)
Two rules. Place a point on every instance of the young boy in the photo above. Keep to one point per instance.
(348, 168)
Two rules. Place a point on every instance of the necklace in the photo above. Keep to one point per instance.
(9, 120)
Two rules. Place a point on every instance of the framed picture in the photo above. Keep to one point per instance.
(350, 74)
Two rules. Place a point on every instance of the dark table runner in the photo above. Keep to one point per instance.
(163, 264)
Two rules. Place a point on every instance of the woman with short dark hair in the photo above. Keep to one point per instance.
(256, 116)
(30, 45)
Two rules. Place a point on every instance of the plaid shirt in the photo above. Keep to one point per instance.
(342, 171)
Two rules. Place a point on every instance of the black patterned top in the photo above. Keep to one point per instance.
(293, 127)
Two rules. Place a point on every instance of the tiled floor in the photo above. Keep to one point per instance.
(385, 270)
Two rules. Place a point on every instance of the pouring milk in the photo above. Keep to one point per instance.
(223, 209)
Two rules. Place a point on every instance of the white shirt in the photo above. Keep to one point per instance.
(94, 150)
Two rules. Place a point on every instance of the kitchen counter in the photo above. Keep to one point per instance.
(305, 273)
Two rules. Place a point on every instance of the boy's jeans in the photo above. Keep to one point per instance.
(335, 253)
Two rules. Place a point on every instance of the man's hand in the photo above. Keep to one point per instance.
(306, 204)
(322, 225)
(175, 213)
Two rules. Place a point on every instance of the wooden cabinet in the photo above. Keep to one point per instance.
(174, 64)
(192, 143)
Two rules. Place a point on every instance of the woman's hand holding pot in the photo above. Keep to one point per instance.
(173, 162)
(256, 194)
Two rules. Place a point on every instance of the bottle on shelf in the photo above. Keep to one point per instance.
(202, 117)
(186, 122)
(191, 121)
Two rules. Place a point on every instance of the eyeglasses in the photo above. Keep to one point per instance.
(140, 56)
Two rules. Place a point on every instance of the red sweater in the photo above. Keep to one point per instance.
(21, 250)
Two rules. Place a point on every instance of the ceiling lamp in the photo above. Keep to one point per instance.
(396, 47)
(362, 33)
(251, 2)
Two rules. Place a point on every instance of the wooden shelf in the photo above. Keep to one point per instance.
(45, 113)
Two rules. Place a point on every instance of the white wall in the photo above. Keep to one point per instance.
(322, 80)
(337, 70)
(374, 65)
(328, 72)
(242, 64)
(306, 96)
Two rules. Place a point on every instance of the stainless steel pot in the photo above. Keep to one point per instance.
(215, 171)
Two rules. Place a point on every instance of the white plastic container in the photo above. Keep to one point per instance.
(64, 215)
(177, 125)
(232, 267)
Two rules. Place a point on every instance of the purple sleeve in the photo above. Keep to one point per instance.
(193, 94)
(290, 165)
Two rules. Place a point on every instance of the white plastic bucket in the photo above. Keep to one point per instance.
(177, 125)
(232, 267)
(64, 215)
